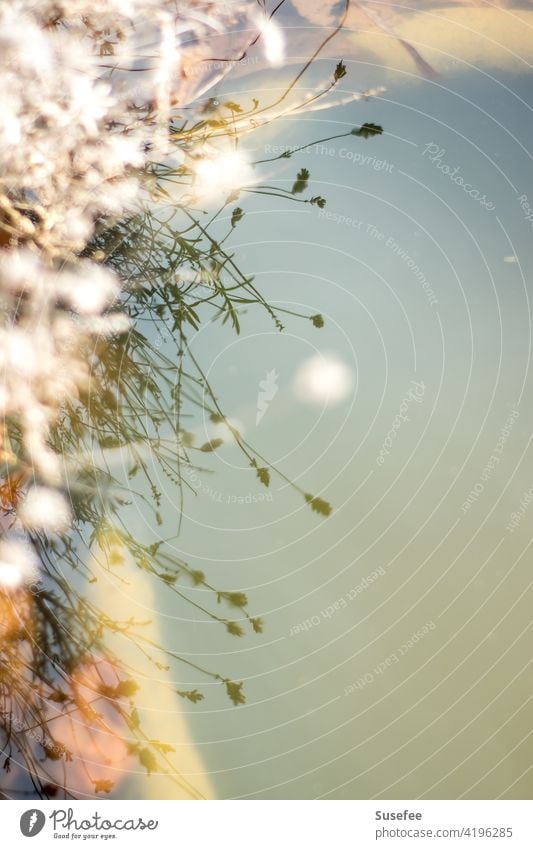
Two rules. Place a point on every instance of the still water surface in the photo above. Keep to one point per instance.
(396, 656)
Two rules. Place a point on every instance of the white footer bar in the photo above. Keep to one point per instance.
(269, 824)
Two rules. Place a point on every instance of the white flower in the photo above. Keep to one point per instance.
(79, 120)
(113, 324)
(45, 509)
(90, 289)
(29, 53)
(21, 355)
(219, 172)
(18, 564)
(272, 38)
(19, 271)
(323, 379)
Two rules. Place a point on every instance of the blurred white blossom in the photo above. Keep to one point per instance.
(45, 509)
(18, 564)
(90, 91)
(218, 172)
(77, 129)
(273, 41)
(323, 379)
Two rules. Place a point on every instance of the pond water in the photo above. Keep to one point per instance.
(395, 660)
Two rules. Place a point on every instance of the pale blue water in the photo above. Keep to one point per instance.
(348, 707)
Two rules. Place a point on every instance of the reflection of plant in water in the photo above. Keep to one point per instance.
(99, 390)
